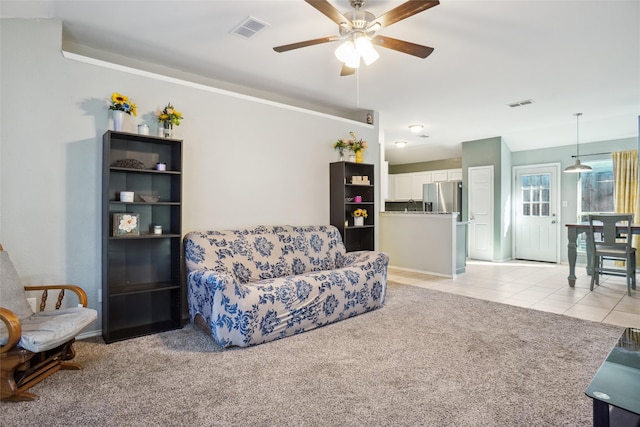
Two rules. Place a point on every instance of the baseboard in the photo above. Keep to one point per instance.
(422, 271)
(89, 334)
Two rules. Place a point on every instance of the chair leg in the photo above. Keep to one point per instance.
(631, 274)
(594, 273)
(9, 389)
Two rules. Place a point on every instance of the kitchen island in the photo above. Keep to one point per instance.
(426, 242)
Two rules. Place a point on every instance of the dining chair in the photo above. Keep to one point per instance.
(612, 244)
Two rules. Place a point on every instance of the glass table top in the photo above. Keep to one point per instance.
(617, 381)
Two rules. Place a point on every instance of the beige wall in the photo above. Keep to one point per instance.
(246, 162)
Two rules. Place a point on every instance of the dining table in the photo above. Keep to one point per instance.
(573, 230)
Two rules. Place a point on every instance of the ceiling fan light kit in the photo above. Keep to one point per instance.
(359, 34)
(578, 167)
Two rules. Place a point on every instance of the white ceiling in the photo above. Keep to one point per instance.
(568, 56)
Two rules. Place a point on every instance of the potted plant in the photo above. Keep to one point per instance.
(121, 105)
(358, 217)
(168, 117)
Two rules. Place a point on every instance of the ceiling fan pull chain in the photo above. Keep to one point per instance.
(357, 87)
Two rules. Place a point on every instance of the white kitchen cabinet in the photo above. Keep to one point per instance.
(403, 186)
(391, 187)
(409, 185)
(440, 176)
(417, 181)
(454, 174)
(447, 175)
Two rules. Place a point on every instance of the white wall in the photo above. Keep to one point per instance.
(246, 162)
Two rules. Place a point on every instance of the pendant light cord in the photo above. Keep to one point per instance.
(358, 87)
(578, 135)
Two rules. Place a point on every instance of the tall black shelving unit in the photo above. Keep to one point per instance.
(142, 290)
(342, 204)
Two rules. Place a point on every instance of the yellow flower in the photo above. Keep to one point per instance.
(121, 102)
(356, 145)
(169, 116)
(120, 99)
(360, 212)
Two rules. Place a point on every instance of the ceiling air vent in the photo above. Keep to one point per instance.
(249, 27)
(521, 103)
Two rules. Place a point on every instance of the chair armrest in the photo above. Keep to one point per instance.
(13, 326)
(82, 295)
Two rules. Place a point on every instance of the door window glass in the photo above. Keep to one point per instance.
(535, 194)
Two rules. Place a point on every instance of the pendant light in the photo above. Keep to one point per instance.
(578, 167)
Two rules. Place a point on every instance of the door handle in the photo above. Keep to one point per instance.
(553, 222)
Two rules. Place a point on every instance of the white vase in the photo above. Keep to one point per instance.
(358, 221)
(118, 120)
(167, 130)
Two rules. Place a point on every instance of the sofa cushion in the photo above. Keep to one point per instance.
(49, 329)
(260, 253)
(14, 297)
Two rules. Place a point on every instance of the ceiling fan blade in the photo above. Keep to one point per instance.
(347, 71)
(403, 46)
(329, 11)
(404, 11)
(306, 43)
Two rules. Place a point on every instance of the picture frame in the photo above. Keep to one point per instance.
(126, 224)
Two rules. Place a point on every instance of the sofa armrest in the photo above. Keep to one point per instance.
(352, 259)
(82, 295)
(14, 328)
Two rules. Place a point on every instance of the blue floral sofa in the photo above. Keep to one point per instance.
(257, 285)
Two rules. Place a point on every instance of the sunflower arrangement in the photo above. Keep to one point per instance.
(121, 102)
(169, 116)
(360, 212)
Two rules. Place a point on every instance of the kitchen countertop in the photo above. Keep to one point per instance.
(423, 241)
(420, 213)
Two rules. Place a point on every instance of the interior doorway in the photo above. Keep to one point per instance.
(481, 214)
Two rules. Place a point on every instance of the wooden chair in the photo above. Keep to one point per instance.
(609, 247)
(35, 345)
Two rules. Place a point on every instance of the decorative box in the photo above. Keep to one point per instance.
(360, 180)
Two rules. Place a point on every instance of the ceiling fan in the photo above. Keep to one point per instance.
(358, 30)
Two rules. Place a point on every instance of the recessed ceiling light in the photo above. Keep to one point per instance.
(401, 144)
(415, 128)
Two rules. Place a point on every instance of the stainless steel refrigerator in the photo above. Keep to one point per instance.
(443, 197)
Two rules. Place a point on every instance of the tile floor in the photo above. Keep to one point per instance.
(539, 286)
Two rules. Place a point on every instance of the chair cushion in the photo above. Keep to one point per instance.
(12, 291)
(48, 329)
(614, 251)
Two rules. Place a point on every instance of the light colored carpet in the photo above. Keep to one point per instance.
(427, 358)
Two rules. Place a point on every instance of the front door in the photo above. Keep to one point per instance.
(536, 213)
